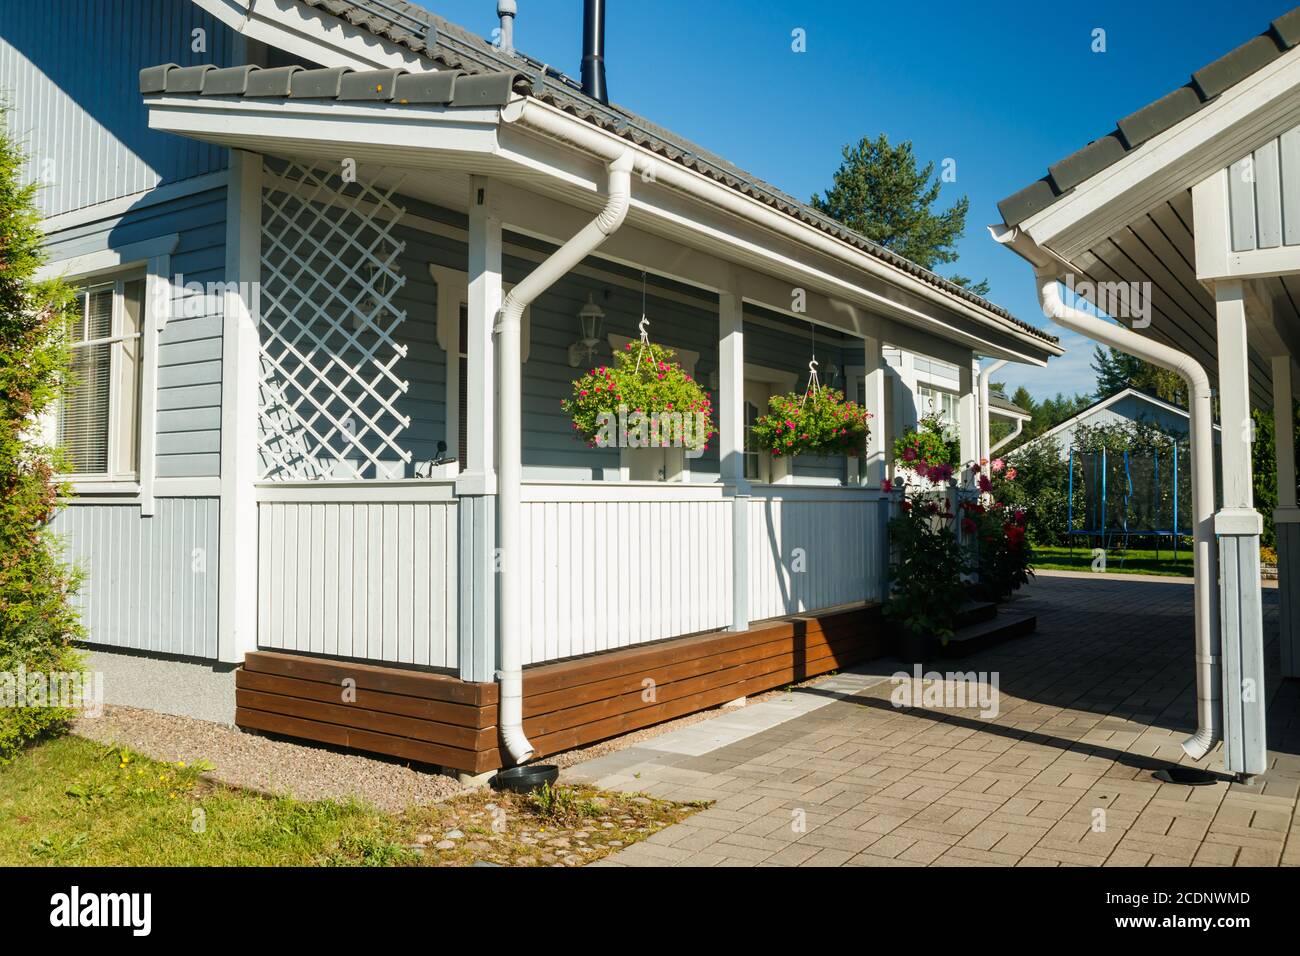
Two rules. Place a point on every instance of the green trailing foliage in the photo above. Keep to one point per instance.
(647, 392)
(819, 422)
(38, 624)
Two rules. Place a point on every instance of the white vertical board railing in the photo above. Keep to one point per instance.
(613, 565)
(362, 572)
(812, 548)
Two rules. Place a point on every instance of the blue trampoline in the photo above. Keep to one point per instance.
(1116, 496)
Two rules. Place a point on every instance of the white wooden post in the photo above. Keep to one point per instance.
(476, 486)
(731, 445)
(240, 373)
(875, 382)
(1286, 519)
(1238, 527)
(968, 411)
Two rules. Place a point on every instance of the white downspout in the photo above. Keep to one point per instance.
(986, 375)
(1208, 731)
(1008, 439)
(510, 454)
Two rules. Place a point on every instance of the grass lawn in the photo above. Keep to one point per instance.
(1132, 561)
(70, 801)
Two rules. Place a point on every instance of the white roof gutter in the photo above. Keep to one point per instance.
(556, 124)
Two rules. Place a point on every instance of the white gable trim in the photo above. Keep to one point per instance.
(312, 34)
(1243, 117)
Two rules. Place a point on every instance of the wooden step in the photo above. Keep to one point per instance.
(1003, 626)
(975, 612)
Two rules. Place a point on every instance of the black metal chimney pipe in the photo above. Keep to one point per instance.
(593, 50)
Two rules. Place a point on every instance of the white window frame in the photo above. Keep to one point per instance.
(776, 382)
(151, 257)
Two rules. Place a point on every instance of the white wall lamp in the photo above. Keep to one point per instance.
(589, 318)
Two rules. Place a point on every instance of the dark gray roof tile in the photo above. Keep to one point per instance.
(369, 85)
(1157, 117)
(228, 82)
(485, 89)
(426, 87)
(318, 84)
(1088, 161)
(1287, 28)
(1231, 68)
(153, 79)
(273, 82)
(1031, 199)
(187, 79)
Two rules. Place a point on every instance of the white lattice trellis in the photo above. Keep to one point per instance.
(328, 398)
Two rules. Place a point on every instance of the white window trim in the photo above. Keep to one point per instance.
(154, 256)
(453, 292)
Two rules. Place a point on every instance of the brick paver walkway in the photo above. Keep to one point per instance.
(1089, 706)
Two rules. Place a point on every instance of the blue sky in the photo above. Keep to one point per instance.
(1004, 89)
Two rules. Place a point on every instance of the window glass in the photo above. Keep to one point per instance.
(98, 417)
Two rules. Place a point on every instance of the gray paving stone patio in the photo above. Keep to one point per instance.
(1089, 707)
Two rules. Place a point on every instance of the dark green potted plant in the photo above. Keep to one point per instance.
(925, 577)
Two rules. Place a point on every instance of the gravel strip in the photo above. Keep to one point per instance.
(306, 772)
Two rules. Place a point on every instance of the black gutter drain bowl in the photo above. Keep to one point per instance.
(1187, 776)
(527, 778)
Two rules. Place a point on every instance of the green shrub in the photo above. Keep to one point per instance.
(37, 622)
(925, 568)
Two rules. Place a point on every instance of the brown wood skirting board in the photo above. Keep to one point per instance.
(437, 719)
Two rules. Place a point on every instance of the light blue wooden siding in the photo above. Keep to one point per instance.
(70, 69)
(189, 348)
(1264, 195)
(150, 583)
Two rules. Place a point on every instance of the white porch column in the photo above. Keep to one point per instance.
(968, 411)
(240, 375)
(476, 485)
(1286, 519)
(1238, 526)
(731, 446)
(875, 383)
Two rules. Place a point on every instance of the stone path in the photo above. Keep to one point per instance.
(1088, 707)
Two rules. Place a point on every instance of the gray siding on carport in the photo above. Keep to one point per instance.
(150, 583)
(70, 69)
(1264, 195)
(189, 348)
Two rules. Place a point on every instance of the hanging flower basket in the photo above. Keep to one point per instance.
(643, 399)
(819, 422)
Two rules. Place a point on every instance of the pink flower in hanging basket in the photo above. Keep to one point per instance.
(909, 453)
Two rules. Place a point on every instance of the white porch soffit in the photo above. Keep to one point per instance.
(1120, 209)
(491, 124)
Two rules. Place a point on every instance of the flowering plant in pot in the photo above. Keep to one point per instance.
(819, 422)
(925, 575)
(927, 451)
(1001, 554)
(643, 398)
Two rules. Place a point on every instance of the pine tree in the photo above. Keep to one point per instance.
(881, 192)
